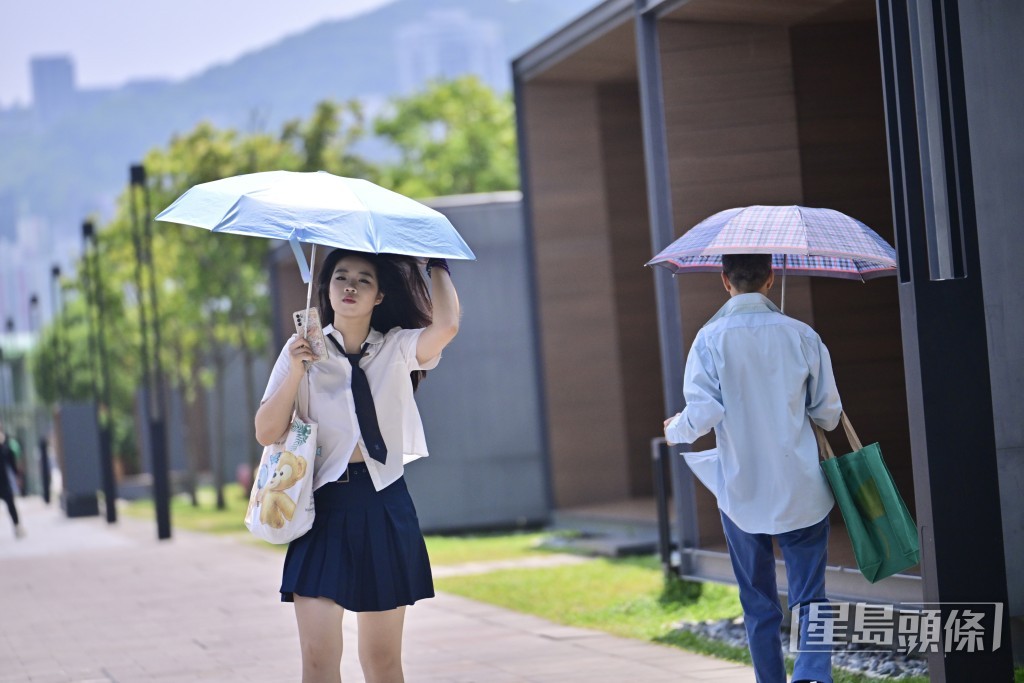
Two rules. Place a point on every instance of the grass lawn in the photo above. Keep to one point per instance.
(626, 597)
(445, 550)
(205, 517)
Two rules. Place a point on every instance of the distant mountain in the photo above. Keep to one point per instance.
(79, 163)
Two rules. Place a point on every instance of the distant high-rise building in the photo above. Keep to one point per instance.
(449, 44)
(53, 86)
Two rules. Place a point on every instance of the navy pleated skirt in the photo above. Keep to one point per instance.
(365, 550)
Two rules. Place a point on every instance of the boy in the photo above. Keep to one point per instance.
(758, 378)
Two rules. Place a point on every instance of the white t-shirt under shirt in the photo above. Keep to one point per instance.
(388, 361)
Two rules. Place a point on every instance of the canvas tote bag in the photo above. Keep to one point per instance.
(883, 534)
(281, 502)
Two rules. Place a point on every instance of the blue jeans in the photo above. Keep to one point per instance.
(753, 561)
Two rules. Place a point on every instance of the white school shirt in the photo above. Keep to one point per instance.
(388, 361)
(755, 375)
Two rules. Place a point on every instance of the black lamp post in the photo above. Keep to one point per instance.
(60, 369)
(93, 282)
(44, 452)
(152, 374)
(33, 313)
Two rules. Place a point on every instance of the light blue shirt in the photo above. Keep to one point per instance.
(755, 376)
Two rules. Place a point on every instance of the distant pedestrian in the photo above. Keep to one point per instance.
(365, 552)
(8, 472)
(759, 378)
(44, 468)
(18, 476)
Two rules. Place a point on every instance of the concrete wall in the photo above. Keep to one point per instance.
(481, 406)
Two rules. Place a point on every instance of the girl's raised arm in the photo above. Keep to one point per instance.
(446, 313)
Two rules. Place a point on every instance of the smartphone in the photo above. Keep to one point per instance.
(312, 330)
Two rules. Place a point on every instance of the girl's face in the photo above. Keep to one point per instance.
(354, 289)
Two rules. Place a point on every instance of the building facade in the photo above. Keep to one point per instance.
(643, 117)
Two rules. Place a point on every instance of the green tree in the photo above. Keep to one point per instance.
(326, 140)
(214, 299)
(455, 137)
(65, 363)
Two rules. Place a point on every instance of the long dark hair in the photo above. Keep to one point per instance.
(406, 298)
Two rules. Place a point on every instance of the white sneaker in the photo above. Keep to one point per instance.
(19, 531)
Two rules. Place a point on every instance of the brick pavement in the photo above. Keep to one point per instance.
(84, 602)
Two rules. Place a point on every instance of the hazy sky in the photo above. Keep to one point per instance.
(113, 41)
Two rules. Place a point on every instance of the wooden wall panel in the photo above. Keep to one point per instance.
(583, 382)
(732, 139)
(845, 167)
(636, 313)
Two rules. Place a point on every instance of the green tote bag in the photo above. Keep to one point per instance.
(883, 533)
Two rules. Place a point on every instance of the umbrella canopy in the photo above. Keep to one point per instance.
(803, 241)
(319, 208)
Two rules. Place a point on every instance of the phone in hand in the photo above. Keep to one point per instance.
(312, 330)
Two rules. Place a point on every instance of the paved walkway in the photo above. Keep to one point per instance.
(84, 602)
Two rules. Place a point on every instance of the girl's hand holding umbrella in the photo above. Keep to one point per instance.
(300, 352)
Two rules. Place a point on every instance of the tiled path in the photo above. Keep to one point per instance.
(84, 602)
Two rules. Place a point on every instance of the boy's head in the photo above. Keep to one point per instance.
(746, 273)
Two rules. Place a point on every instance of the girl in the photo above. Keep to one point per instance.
(365, 552)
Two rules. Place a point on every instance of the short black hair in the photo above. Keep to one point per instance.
(747, 272)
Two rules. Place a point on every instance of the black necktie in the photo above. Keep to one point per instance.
(366, 413)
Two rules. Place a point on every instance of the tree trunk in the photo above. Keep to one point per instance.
(190, 458)
(250, 405)
(219, 427)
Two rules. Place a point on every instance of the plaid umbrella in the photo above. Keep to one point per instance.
(802, 241)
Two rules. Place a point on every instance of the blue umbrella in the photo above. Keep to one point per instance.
(319, 208)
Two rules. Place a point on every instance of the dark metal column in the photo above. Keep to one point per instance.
(944, 330)
(152, 373)
(670, 325)
(94, 284)
(62, 365)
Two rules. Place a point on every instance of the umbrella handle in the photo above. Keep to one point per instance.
(309, 288)
(785, 262)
